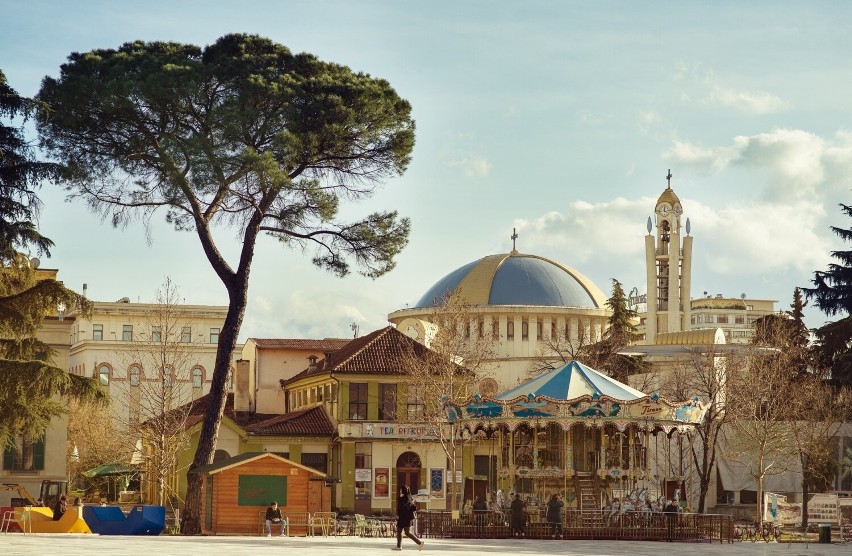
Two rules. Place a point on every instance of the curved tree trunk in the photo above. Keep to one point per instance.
(191, 519)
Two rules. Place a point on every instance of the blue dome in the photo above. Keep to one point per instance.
(516, 279)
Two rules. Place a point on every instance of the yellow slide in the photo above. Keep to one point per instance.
(41, 521)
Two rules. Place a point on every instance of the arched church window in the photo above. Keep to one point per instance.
(525, 330)
(510, 330)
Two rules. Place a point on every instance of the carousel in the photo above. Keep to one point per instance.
(579, 433)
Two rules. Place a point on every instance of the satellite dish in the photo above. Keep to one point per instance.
(688, 226)
(34, 262)
(649, 225)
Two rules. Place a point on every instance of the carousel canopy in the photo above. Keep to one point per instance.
(572, 381)
(578, 392)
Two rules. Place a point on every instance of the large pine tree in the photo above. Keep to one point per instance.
(832, 294)
(31, 388)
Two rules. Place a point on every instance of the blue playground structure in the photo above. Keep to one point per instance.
(110, 520)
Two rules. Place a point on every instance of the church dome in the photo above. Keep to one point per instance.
(517, 279)
(668, 196)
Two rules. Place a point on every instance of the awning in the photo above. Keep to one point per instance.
(107, 469)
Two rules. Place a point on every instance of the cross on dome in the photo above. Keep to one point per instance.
(514, 236)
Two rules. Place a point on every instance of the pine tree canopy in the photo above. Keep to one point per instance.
(32, 390)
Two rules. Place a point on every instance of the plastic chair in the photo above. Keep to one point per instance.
(21, 518)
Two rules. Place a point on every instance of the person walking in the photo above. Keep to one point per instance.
(554, 515)
(518, 516)
(405, 512)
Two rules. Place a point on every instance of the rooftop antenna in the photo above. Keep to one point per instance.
(354, 328)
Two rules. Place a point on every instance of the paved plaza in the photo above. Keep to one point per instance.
(89, 545)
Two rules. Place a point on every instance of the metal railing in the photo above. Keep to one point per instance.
(578, 524)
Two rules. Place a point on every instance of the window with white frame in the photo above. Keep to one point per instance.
(197, 377)
(97, 332)
(214, 335)
(186, 334)
(127, 333)
(103, 374)
(156, 334)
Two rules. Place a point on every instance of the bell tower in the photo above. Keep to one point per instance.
(668, 262)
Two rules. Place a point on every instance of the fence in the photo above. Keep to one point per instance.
(583, 525)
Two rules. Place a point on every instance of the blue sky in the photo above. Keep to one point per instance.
(559, 119)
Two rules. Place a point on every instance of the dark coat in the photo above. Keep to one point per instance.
(554, 511)
(519, 518)
(272, 515)
(60, 509)
(405, 508)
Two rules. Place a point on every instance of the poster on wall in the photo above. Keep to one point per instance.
(436, 482)
(382, 475)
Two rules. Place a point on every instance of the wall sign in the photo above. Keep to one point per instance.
(382, 488)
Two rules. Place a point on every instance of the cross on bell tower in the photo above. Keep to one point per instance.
(669, 179)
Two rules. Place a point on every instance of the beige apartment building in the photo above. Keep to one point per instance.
(137, 347)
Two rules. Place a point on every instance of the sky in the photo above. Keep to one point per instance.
(558, 119)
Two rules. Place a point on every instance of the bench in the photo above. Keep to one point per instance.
(261, 524)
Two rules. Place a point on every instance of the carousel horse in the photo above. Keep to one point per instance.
(644, 503)
(614, 507)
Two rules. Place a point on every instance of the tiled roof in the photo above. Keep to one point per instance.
(328, 344)
(313, 421)
(242, 418)
(378, 352)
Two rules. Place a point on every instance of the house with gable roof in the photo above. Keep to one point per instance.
(344, 414)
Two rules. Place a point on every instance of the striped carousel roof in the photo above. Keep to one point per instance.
(572, 381)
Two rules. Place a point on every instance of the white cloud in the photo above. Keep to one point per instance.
(757, 102)
(795, 165)
(310, 313)
(734, 245)
(695, 155)
(473, 167)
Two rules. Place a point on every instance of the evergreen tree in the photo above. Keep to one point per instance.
(29, 383)
(241, 133)
(790, 328)
(620, 333)
(832, 294)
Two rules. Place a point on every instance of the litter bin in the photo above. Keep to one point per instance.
(825, 533)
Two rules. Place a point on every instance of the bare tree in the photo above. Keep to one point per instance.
(820, 412)
(162, 362)
(90, 446)
(703, 372)
(446, 375)
(605, 355)
(760, 403)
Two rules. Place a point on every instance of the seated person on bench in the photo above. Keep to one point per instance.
(273, 517)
